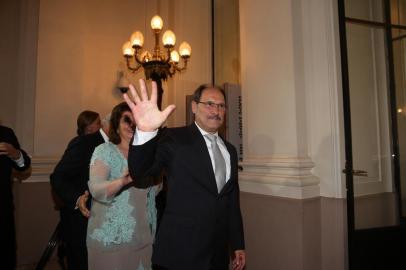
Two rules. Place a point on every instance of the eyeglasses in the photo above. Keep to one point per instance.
(128, 120)
(212, 105)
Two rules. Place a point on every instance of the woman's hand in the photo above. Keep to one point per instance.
(126, 178)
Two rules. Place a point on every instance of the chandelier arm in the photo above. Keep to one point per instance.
(136, 57)
(133, 69)
(184, 65)
(172, 70)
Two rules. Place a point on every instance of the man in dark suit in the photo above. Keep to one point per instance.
(69, 182)
(11, 157)
(202, 221)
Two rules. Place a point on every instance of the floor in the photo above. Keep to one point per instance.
(51, 265)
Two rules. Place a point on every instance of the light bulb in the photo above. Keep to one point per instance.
(169, 39)
(175, 56)
(127, 49)
(185, 50)
(156, 23)
(137, 39)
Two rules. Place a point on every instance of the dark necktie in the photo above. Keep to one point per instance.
(219, 162)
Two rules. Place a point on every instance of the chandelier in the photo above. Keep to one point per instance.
(161, 63)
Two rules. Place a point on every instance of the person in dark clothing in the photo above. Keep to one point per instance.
(69, 182)
(202, 223)
(88, 122)
(11, 157)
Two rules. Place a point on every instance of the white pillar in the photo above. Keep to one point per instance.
(291, 98)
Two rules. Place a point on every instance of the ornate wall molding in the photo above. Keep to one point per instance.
(282, 177)
(41, 168)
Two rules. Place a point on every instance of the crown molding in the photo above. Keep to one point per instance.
(282, 177)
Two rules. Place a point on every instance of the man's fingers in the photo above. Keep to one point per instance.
(239, 260)
(168, 111)
(3, 146)
(134, 94)
(154, 92)
(143, 90)
(85, 212)
(129, 102)
(82, 204)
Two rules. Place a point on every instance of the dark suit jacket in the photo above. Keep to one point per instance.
(69, 181)
(199, 225)
(6, 165)
(70, 176)
(7, 235)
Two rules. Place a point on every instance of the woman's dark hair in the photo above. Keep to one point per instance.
(116, 115)
(199, 91)
(85, 118)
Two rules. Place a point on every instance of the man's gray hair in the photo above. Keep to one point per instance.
(106, 120)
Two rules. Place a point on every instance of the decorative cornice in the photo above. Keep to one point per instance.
(282, 177)
(41, 168)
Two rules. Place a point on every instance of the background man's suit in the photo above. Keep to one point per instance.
(69, 182)
(7, 234)
(199, 226)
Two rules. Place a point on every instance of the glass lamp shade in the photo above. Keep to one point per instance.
(137, 39)
(175, 56)
(156, 23)
(169, 39)
(185, 50)
(127, 49)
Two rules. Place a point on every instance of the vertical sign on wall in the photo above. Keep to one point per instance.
(233, 132)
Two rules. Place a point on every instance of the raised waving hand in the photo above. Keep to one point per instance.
(145, 110)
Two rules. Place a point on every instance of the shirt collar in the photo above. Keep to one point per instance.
(104, 135)
(203, 132)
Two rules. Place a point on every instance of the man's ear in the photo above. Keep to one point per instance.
(194, 106)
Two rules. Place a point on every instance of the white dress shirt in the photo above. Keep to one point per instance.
(19, 161)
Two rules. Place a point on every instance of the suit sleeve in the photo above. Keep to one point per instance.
(69, 178)
(27, 159)
(147, 161)
(236, 230)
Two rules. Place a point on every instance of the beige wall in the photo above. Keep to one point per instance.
(36, 219)
(289, 234)
(9, 30)
(79, 58)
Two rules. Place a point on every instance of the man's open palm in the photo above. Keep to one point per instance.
(145, 110)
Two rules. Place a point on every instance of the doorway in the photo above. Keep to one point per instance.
(373, 56)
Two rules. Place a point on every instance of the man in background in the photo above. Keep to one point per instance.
(11, 157)
(69, 182)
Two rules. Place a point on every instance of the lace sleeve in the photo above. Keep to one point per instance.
(101, 186)
(98, 182)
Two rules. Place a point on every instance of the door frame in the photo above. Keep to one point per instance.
(387, 26)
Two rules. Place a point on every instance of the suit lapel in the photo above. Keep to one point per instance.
(206, 176)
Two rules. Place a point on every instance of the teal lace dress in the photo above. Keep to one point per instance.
(122, 226)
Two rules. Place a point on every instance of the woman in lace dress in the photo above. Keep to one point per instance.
(122, 221)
